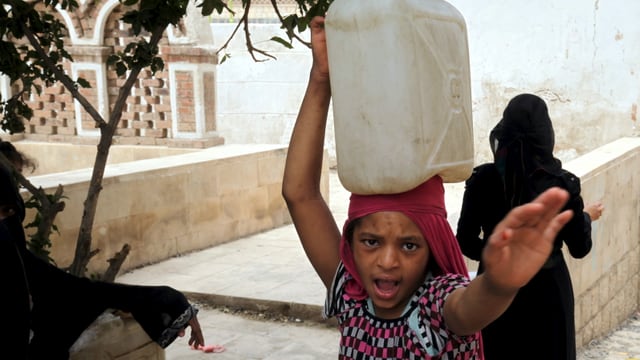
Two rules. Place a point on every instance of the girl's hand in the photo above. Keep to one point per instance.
(320, 68)
(522, 241)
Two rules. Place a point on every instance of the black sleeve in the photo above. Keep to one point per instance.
(577, 233)
(469, 223)
(161, 311)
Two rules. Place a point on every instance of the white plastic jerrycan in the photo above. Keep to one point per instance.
(401, 93)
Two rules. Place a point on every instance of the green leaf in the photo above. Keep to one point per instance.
(156, 65)
(209, 5)
(112, 59)
(121, 69)
(83, 83)
(282, 42)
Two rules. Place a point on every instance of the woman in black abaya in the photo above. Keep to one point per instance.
(524, 166)
(48, 309)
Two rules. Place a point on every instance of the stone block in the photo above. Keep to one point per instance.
(114, 336)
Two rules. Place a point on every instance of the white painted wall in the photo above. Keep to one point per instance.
(258, 101)
(581, 56)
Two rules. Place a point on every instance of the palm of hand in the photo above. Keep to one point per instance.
(511, 265)
(522, 241)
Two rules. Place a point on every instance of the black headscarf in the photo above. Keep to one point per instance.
(522, 144)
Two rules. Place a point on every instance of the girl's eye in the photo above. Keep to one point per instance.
(369, 242)
(409, 246)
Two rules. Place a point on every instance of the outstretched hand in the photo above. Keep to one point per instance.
(523, 240)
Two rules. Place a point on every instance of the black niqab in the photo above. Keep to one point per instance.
(522, 144)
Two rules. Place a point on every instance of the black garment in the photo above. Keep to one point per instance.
(48, 308)
(522, 144)
(16, 298)
(65, 305)
(539, 324)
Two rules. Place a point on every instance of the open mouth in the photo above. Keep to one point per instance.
(386, 289)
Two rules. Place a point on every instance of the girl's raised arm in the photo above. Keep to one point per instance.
(313, 220)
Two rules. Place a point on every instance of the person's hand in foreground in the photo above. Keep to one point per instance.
(522, 241)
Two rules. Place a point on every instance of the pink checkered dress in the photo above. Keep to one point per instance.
(420, 333)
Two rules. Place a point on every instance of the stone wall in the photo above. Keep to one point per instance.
(115, 336)
(607, 281)
(171, 205)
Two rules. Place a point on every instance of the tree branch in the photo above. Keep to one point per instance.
(83, 245)
(247, 35)
(115, 263)
(291, 33)
(226, 44)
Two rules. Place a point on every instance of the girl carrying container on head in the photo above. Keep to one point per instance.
(396, 279)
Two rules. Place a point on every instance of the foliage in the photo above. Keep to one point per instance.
(30, 66)
(47, 206)
(39, 242)
(33, 53)
(293, 24)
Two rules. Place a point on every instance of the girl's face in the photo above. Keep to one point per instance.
(391, 256)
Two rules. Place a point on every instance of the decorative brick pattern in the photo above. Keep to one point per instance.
(151, 116)
(184, 91)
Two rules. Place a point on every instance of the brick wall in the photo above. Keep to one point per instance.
(173, 107)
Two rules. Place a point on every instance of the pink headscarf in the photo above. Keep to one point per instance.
(425, 206)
